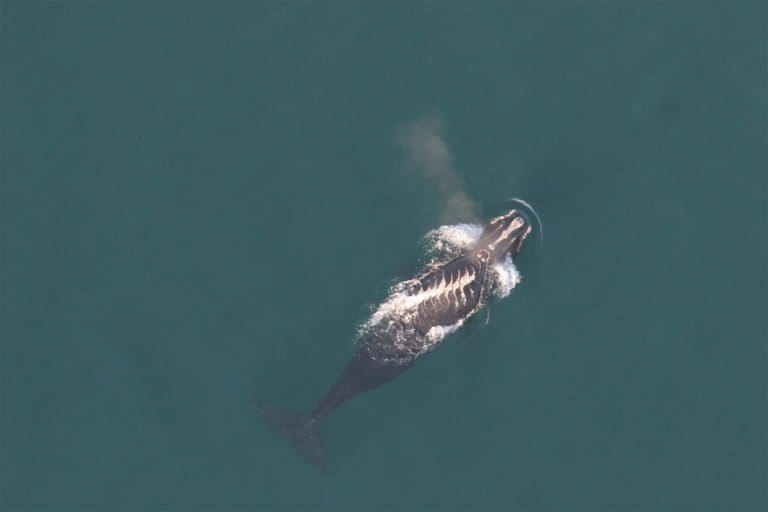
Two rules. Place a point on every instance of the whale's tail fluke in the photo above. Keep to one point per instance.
(300, 429)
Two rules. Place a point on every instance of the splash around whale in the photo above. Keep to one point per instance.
(467, 265)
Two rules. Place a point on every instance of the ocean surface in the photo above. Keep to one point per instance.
(202, 201)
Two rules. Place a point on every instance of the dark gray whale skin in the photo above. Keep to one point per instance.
(456, 289)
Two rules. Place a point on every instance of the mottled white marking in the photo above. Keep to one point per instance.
(403, 305)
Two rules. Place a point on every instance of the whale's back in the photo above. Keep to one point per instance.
(448, 293)
(422, 311)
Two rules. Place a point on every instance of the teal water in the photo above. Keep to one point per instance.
(201, 201)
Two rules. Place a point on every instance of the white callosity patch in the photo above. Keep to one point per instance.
(395, 332)
(513, 226)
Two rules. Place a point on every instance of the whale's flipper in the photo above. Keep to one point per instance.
(298, 428)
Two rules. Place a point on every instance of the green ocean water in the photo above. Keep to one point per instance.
(200, 202)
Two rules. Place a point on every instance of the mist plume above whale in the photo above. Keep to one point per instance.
(475, 264)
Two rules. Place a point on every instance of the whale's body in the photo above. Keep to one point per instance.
(418, 314)
(421, 311)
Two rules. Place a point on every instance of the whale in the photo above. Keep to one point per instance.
(419, 314)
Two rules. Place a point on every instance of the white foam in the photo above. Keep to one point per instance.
(505, 278)
(439, 332)
(452, 239)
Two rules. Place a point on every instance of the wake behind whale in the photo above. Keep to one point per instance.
(467, 266)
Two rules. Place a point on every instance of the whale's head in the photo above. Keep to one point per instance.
(504, 235)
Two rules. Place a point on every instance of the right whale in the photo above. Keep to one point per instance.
(418, 314)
